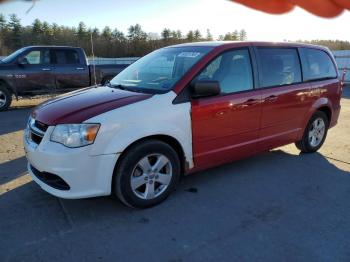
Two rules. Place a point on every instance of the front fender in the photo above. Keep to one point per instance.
(155, 116)
(10, 83)
(132, 133)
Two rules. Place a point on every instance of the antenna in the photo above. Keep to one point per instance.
(93, 59)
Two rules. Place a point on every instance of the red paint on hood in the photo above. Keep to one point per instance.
(78, 106)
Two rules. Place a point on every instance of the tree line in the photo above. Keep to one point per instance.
(108, 42)
(331, 44)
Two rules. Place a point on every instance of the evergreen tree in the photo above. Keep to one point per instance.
(242, 35)
(190, 36)
(197, 35)
(166, 33)
(107, 33)
(82, 32)
(209, 36)
(3, 24)
(15, 28)
(136, 33)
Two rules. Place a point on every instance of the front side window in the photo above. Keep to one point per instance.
(317, 64)
(232, 70)
(33, 57)
(278, 66)
(159, 71)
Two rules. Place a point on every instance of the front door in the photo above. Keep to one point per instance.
(34, 73)
(225, 127)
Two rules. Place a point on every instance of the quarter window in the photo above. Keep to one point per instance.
(317, 64)
(232, 70)
(279, 66)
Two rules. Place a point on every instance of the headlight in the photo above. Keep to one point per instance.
(75, 135)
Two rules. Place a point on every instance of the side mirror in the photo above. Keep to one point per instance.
(22, 61)
(205, 88)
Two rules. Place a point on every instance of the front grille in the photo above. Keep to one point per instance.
(35, 138)
(36, 130)
(50, 179)
(41, 126)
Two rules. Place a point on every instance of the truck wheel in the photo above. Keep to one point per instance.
(314, 134)
(5, 98)
(147, 174)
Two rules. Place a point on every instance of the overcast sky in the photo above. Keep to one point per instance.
(220, 16)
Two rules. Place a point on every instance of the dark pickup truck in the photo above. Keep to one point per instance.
(37, 70)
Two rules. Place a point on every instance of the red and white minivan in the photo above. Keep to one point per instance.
(178, 110)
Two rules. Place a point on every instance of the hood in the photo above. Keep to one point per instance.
(78, 106)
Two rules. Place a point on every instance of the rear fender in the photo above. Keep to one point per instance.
(321, 102)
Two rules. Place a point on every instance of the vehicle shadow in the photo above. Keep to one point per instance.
(12, 169)
(13, 120)
(242, 197)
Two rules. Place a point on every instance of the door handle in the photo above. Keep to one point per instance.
(271, 98)
(80, 68)
(46, 69)
(251, 102)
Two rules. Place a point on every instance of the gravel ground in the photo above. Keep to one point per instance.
(278, 206)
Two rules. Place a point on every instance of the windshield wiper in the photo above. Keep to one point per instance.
(126, 88)
(119, 86)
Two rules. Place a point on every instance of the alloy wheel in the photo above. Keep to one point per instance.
(317, 132)
(151, 176)
(3, 99)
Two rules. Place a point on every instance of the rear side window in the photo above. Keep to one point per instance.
(278, 66)
(317, 64)
(66, 57)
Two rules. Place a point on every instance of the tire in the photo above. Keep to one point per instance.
(136, 174)
(5, 98)
(308, 144)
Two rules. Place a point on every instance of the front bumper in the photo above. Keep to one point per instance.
(86, 175)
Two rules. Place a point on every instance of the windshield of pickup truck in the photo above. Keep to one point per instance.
(159, 71)
(12, 56)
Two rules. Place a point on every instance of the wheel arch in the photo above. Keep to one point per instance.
(171, 141)
(8, 86)
(12, 88)
(326, 109)
(324, 105)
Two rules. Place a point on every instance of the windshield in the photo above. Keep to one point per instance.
(159, 71)
(13, 55)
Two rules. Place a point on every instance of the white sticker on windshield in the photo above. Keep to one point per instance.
(189, 54)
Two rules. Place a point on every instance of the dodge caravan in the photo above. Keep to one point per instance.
(179, 110)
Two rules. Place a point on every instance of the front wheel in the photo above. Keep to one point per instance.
(147, 174)
(5, 98)
(314, 134)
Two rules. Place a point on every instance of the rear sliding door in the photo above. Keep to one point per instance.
(285, 98)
